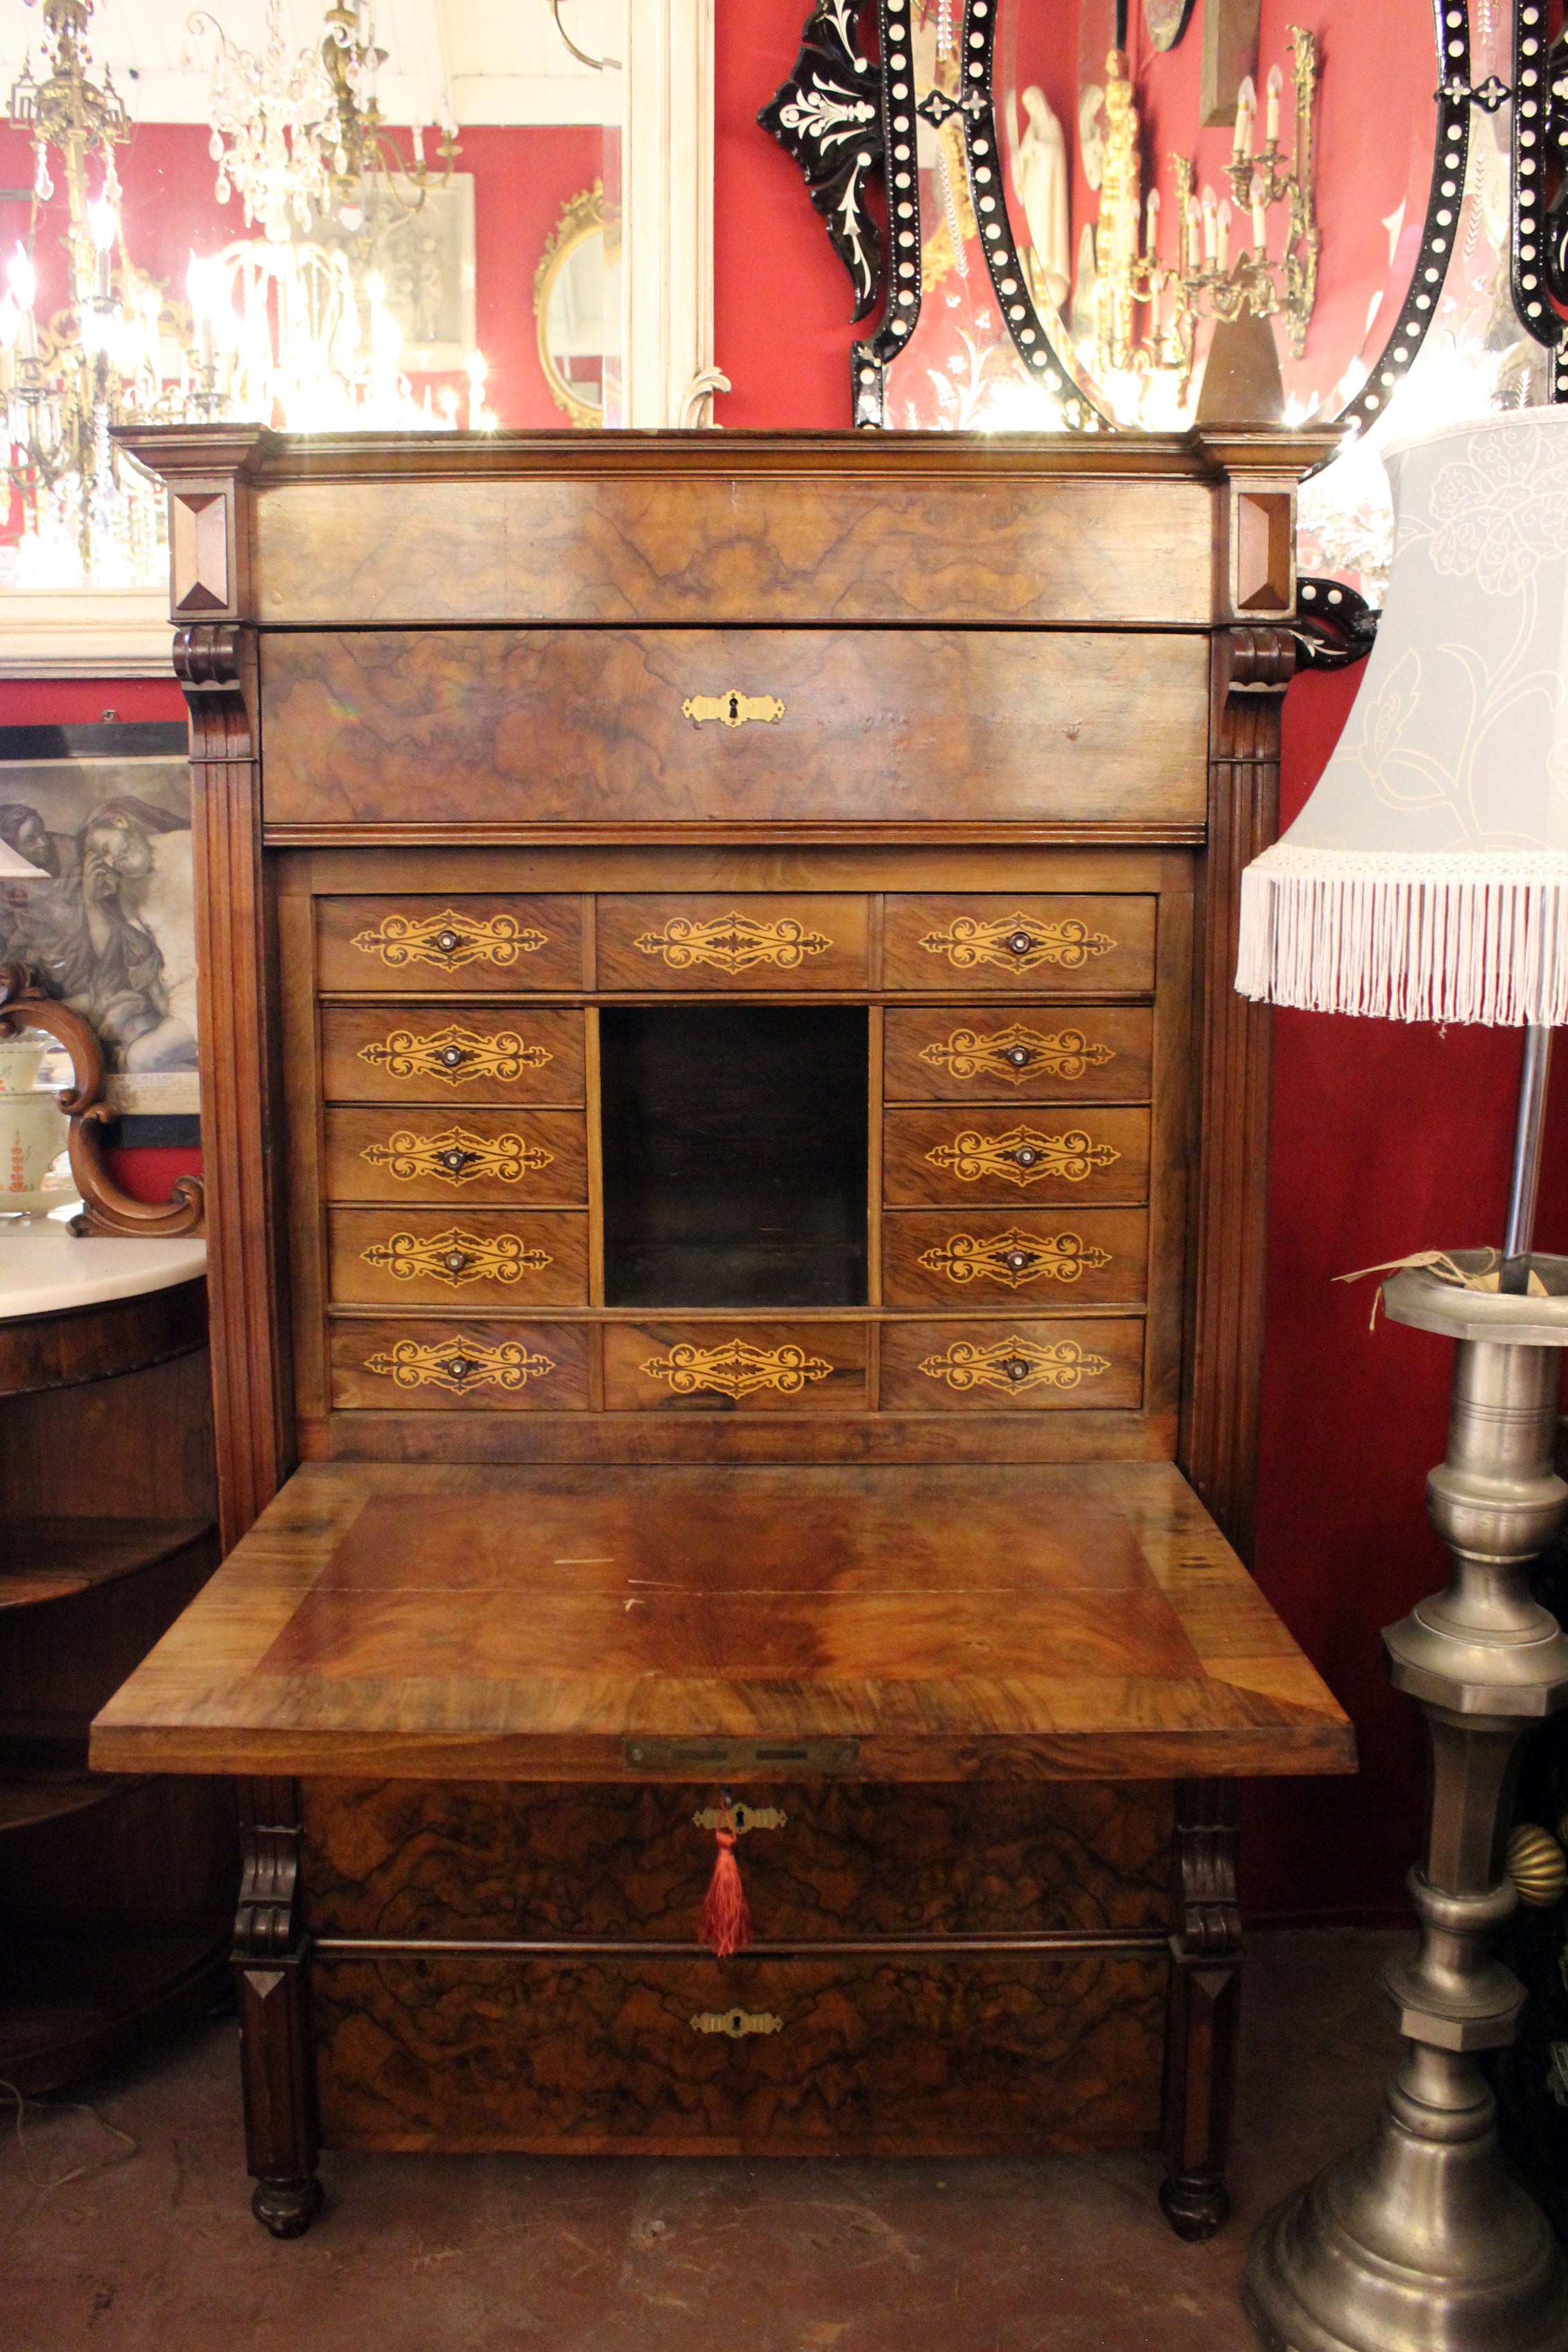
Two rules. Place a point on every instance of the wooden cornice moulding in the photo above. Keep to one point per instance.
(257, 454)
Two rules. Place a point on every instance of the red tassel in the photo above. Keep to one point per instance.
(726, 1920)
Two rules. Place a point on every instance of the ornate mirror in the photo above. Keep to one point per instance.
(576, 304)
(1076, 195)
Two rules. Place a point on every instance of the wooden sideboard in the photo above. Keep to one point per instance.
(735, 1167)
(114, 1891)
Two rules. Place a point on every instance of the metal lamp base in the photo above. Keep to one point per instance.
(1423, 2241)
(1410, 2242)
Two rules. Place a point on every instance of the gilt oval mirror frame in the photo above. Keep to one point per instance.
(586, 221)
(850, 121)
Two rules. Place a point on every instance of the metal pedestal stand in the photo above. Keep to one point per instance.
(1423, 2241)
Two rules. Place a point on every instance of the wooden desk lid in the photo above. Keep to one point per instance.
(601, 1623)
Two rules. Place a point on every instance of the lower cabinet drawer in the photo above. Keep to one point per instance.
(1001, 1365)
(981, 2053)
(474, 1258)
(686, 1367)
(987, 1258)
(422, 1366)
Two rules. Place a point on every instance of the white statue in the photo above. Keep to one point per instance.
(1038, 162)
(1092, 133)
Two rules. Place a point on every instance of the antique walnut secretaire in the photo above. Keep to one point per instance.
(736, 1171)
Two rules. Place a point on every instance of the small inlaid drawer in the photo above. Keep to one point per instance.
(743, 942)
(1101, 1054)
(1001, 1155)
(420, 1366)
(506, 1158)
(1007, 1365)
(461, 1053)
(990, 1258)
(433, 946)
(735, 1367)
(458, 1257)
(1050, 946)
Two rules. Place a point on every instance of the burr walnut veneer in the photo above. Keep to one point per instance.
(736, 1168)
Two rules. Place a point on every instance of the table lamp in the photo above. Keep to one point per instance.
(1427, 879)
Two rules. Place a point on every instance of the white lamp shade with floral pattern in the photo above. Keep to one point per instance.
(1427, 878)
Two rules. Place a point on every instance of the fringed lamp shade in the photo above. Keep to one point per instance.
(1427, 878)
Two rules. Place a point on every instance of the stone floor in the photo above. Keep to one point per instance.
(157, 2252)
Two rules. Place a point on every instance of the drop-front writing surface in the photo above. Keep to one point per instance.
(733, 1157)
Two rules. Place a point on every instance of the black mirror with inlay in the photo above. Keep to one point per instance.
(734, 1144)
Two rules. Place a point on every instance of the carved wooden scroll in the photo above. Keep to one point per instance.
(105, 1208)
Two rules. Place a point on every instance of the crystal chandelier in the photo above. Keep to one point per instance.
(302, 134)
(289, 329)
(268, 116)
(67, 379)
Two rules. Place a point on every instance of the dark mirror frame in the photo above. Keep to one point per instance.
(849, 124)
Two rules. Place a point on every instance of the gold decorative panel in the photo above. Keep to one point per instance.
(1014, 1258)
(733, 709)
(1022, 1156)
(1020, 942)
(737, 1368)
(458, 1365)
(451, 940)
(455, 1156)
(454, 1257)
(1015, 1053)
(733, 943)
(454, 1054)
(1015, 1365)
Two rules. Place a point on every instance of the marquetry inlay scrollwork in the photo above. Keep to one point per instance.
(1015, 1053)
(1022, 1156)
(1021, 942)
(736, 1369)
(458, 1365)
(454, 1054)
(1015, 1365)
(454, 1257)
(457, 1157)
(1014, 1258)
(733, 943)
(451, 940)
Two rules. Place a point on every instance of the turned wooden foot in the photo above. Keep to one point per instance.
(286, 2208)
(1195, 2203)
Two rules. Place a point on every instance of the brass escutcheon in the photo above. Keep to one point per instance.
(740, 1818)
(737, 2023)
(733, 709)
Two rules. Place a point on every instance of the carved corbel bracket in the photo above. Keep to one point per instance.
(276, 2067)
(1205, 1996)
(105, 1208)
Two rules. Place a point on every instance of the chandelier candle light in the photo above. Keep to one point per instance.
(1427, 879)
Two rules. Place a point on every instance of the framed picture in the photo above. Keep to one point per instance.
(426, 258)
(104, 813)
